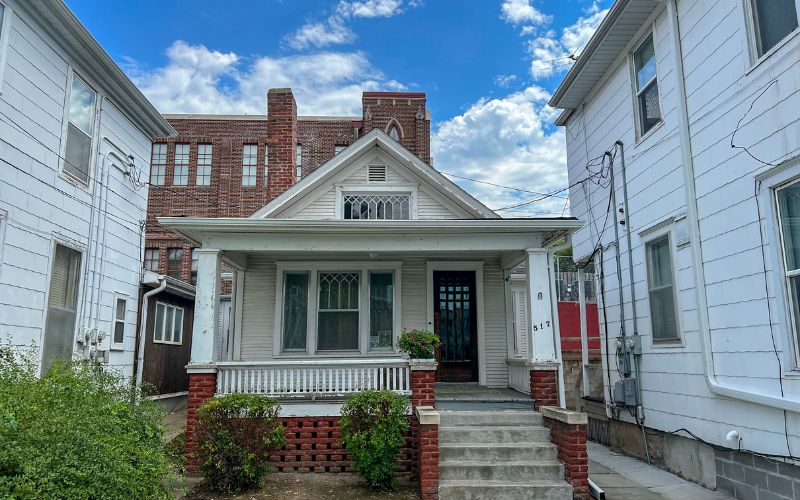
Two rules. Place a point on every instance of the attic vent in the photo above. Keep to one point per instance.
(376, 173)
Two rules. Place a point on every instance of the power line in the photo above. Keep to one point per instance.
(491, 183)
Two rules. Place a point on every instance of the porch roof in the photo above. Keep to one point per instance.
(293, 235)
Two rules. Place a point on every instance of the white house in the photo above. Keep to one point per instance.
(682, 122)
(75, 137)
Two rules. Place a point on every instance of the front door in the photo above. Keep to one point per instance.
(455, 321)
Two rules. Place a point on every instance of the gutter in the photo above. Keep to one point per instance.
(716, 387)
(143, 327)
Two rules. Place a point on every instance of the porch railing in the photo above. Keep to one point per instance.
(310, 378)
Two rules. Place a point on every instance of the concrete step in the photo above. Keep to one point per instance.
(520, 418)
(507, 471)
(503, 489)
(493, 434)
(495, 451)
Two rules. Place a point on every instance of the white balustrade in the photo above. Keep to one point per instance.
(313, 377)
(519, 375)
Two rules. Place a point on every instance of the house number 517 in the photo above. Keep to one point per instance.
(541, 326)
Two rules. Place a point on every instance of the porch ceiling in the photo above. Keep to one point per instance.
(294, 237)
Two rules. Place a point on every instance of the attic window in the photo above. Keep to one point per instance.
(376, 173)
(388, 206)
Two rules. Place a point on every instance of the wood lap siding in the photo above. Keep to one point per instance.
(258, 316)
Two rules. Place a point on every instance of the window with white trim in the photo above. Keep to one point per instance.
(195, 262)
(158, 165)
(338, 307)
(788, 200)
(249, 164)
(180, 170)
(376, 206)
(80, 130)
(773, 21)
(661, 289)
(204, 155)
(151, 259)
(168, 324)
(646, 85)
(120, 309)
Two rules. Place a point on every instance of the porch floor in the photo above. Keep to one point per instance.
(471, 396)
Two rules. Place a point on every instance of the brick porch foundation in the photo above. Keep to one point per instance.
(202, 387)
(544, 387)
(568, 433)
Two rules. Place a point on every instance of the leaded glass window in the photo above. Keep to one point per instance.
(377, 206)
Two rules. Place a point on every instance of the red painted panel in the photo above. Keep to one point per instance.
(569, 319)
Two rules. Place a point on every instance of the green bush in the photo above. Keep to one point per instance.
(419, 344)
(236, 434)
(78, 432)
(374, 425)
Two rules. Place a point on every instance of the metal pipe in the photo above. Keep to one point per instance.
(143, 328)
(626, 368)
(584, 332)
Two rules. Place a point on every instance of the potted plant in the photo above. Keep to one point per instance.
(420, 345)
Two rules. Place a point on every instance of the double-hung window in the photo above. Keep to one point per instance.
(788, 199)
(158, 165)
(661, 289)
(80, 130)
(168, 324)
(249, 164)
(174, 262)
(180, 172)
(773, 20)
(151, 259)
(646, 86)
(349, 308)
(266, 165)
(120, 310)
(204, 155)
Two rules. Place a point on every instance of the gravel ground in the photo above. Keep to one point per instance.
(316, 486)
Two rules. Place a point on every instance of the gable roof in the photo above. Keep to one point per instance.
(615, 32)
(378, 138)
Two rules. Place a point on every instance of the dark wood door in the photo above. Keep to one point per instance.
(455, 321)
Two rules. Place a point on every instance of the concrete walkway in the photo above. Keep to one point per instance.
(625, 478)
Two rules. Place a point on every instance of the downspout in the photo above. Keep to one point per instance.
(714, 385)
(143, 328)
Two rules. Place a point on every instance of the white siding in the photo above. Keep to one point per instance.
(42, 207)
(720, 90)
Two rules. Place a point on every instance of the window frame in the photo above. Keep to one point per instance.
(298, 162)
(185, 166)
(752, 30)
(266, 165)
(62, 172)
(252, 168)
(652, 237)
(163, 323)
(162, 176)
(5, 26)
(114, 320)
(180, 269)
(636, 92)
(314, 269)
(208, 165)
(343, 190)
(194, 265)
(793, 327)
(157, 259)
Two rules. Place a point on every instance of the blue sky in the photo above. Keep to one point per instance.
(487, 67)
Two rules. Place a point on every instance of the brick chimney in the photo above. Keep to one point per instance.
(282, 140)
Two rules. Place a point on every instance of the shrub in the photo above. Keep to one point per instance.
(236, 434)
(78, 432)
(173, 449)
(419, 344)
(374, 425)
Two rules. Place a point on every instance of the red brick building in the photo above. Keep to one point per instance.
(230, 166)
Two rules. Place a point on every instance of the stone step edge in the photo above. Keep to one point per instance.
(508, 463)
(503, 482)
(510, 446)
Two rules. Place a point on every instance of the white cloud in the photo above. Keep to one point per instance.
(505, 81)
(505, 141)
(550, 53)
(521, 11)
(196, 79)
(334, 30)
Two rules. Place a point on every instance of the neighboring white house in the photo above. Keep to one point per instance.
(75, 137)
(704, 99)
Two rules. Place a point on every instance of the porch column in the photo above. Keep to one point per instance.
(543, 342)
(201, 369)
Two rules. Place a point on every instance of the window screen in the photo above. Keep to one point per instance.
(80, 129)
(660, 289)
(773, 21)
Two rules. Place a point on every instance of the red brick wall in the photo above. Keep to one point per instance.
(423, 384)
(544, 387)
(201, 388)
(282, 130)
(428, 455)
(570, 439)
(314, 444)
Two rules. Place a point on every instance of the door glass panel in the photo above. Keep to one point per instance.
(380, 310)
(295, 311)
